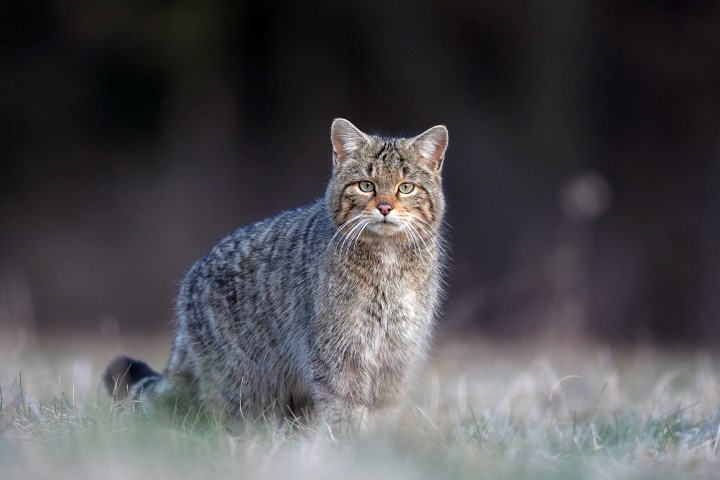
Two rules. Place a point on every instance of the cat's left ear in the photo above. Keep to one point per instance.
(346, 138)
(431, 145)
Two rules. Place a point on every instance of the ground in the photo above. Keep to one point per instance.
(478, 409)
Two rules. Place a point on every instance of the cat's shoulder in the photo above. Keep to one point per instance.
(299, 215)
(269, 230)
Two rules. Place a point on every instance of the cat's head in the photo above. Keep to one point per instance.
(386, 187)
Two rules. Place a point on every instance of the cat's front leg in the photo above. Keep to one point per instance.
(339, 409)
(339, 417)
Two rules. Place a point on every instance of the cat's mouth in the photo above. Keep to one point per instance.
(384, 226)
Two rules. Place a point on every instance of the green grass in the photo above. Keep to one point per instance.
(476, 411)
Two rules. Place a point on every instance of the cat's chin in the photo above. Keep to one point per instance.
(384, 228)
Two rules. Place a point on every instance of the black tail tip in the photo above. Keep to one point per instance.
(124, 372)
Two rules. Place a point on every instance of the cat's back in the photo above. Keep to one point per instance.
(264, 268)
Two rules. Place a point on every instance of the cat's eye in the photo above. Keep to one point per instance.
(406, 188)
(366, 186)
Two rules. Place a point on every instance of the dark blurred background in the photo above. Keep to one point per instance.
(583, 173)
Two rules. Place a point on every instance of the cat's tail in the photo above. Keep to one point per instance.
(127, 378)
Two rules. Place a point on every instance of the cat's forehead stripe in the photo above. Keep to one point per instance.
(388, 154)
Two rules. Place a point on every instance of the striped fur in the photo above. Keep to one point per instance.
(320, 311)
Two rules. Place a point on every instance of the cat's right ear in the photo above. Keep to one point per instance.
(346, 138)
(431, 145)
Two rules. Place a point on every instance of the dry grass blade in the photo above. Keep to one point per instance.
(478, 410)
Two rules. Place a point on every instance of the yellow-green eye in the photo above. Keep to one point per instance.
(406, 188)
(366, 186)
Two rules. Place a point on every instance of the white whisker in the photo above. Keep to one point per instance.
(412, 235)
(425, 222)
(343, 227)
(413, 221)
(348, 236)
(438, 240)
(359, 232)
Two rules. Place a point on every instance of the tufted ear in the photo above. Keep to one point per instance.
(431, 145)
(346, 139)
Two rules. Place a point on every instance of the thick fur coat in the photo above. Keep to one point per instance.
(320, 312)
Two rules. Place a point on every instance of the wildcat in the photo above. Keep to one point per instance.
(321, 311)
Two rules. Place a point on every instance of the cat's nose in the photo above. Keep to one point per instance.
(384, 208)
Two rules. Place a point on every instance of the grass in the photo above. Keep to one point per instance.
(476, 411)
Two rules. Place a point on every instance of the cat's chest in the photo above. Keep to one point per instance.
(393, 293)
(384, 289)
(382, 308)
(389, 264)
(391, 277)
(392, 320)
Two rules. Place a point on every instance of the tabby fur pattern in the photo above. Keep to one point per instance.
(320, 312)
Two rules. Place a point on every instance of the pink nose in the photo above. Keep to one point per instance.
(384, 208)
